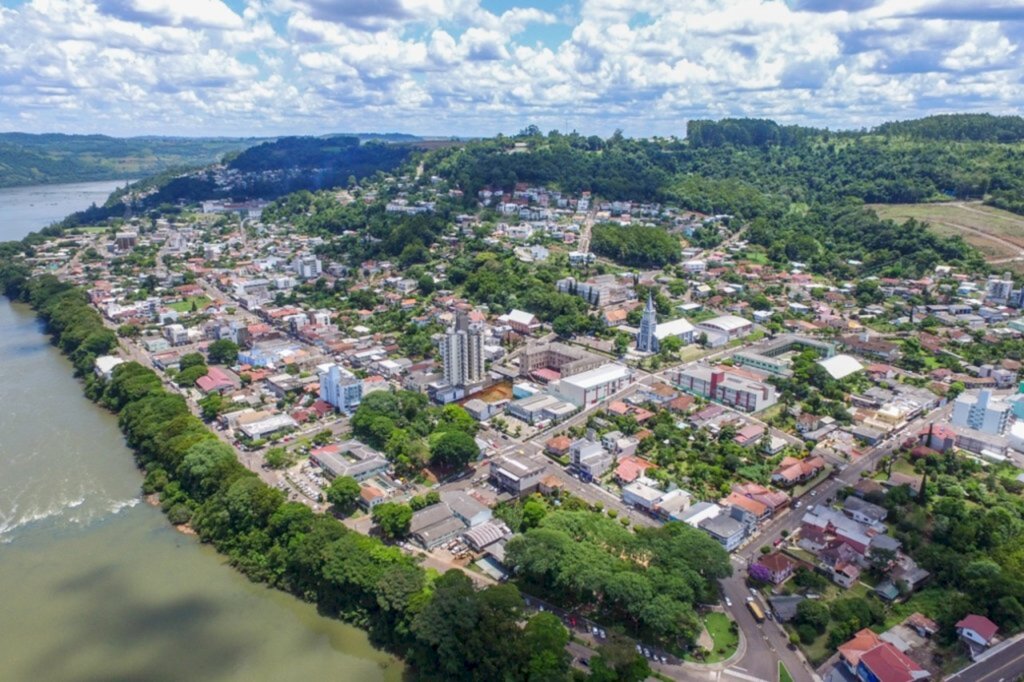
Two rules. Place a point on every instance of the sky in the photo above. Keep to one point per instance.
(479, 67)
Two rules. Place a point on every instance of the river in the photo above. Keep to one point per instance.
(95, 584)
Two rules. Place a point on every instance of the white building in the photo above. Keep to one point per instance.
(341, 389)
(590, 387)
(462, 351)
(725, 328)
(982, 412)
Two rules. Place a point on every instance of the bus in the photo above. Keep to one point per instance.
(755, 611)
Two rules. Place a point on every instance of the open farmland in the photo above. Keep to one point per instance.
(999, 235)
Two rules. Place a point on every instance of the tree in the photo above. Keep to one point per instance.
(191, 360)
(455, 418)
(670, 346)
(453, 449)
(545, 638)
(533, 512)
(618, 661)
(186, 378)
(211, 406)
(812, 613)
(393, 519)
(323, 437)
(278, 458)
(343, 493)
(222, 352)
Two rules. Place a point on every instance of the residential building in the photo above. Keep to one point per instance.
(104, 366)
(792, 471)
(521, 322)
(983, 412)
(885, 663)
(977, 633)
(589, 459)
(462, 351)
(341, 389)
(778, 566)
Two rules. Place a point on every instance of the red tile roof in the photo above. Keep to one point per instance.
(861, 643)
(889, 664)
(980, 624)
(631, 468)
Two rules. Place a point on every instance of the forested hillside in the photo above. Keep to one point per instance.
(39, 159)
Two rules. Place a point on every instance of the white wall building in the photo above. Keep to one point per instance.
(982, 412)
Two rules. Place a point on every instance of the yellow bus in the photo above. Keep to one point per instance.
(756, 611)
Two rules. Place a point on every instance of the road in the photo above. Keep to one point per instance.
(768, 642)
(1003, 665)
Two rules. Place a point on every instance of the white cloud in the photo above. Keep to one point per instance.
(451, 66)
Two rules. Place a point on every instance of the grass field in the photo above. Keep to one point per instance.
(726, 640)
(784, 675)
(996, 234)
(186, 305)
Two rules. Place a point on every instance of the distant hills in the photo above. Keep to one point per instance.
(53, 158)
(27, 159)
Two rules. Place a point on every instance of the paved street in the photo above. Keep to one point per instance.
(1003, 665)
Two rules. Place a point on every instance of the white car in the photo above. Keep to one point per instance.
(728, 602)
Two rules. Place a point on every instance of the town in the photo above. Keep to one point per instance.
(554, 351)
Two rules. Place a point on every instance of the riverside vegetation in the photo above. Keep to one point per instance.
(442, 626)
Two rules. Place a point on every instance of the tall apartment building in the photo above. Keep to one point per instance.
(982, 412)
(341, 389)
(462, 351)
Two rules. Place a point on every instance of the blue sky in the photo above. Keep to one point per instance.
(478, 67)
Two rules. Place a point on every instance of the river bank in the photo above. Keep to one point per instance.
(97, 584)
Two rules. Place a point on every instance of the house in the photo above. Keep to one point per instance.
(104, 366)
(784, 606)
(631, 468)
(681, 405)
(215, 380)
(851, 652)
(521, 322)
(370, 496)
(558, 446)
(778, 566)
(977, 633)
(921, 624)
(886, 663)
(864, 512)
(758, 510)
(792, 471)
(772, 499)
(749, 435)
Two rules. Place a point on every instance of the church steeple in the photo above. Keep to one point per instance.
(646, 341)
